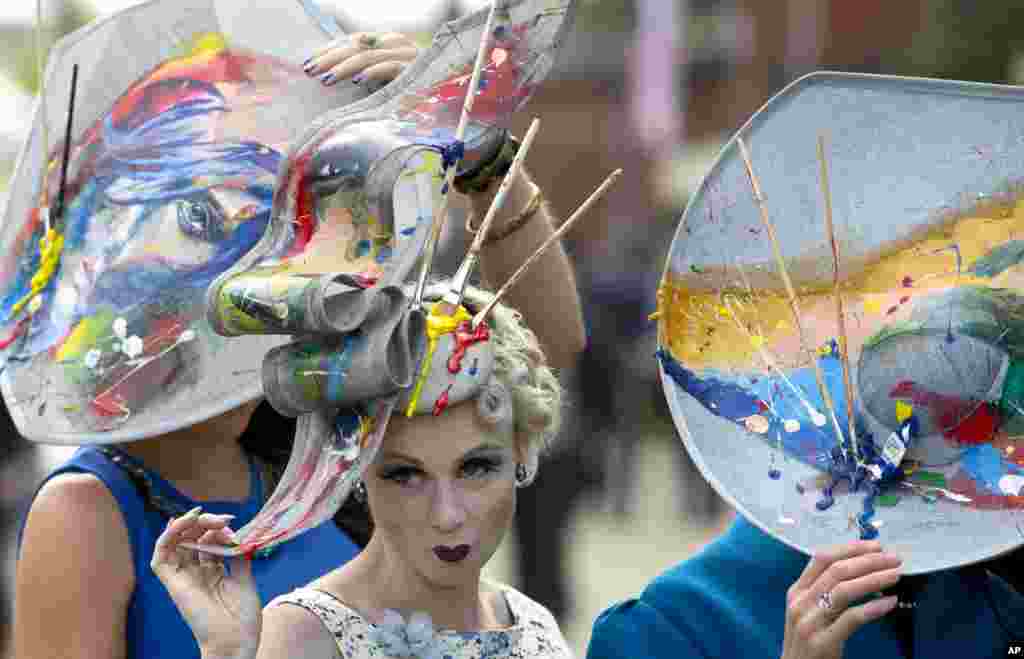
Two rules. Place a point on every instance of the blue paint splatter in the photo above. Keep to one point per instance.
(473, 368)
(985, 465)
(408, 231)
(363, 248)
(725, 397)
(384, 255)
(718, 396)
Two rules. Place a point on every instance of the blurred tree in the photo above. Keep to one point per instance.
(964, 40)
(20, 42)
(606, 15)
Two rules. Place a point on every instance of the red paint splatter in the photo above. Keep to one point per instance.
(365, 280)
(963, 421)
(891, 311)
(907, 282)
(904, 299)
(441, 404)
(762, 406)
(466, 336)
(18, 330)
(962, 483)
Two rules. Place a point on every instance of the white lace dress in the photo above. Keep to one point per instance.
(534, 632)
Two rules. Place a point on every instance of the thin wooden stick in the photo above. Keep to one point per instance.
(460, 132)
(794, 304)
(452, 296)
(591, 200)
(506, 183)
(840, 316)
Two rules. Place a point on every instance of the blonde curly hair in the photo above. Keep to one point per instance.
(523, 389)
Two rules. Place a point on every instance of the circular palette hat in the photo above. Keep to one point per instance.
(212, 155)
(841, 318)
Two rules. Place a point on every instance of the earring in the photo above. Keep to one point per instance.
(521, 474)
(359, 492)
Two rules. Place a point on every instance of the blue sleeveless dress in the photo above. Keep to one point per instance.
(154, 626)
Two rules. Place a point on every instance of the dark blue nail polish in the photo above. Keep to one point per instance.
(327, 78)
(357, 79)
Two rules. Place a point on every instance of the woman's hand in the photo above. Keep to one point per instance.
(224, 611)
(819, 618)
(366, 56)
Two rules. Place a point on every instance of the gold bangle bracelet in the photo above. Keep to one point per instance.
(515, 224)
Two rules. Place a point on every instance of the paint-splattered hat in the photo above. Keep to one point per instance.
(214, 206)
(841, 319)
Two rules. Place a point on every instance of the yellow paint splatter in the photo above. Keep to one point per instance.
(903, 411)
(438, 324)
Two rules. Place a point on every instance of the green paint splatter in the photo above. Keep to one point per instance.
(887, 500)
(932, 478)
(696, 269)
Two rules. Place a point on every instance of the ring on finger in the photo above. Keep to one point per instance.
(825, 601)
(369, 41)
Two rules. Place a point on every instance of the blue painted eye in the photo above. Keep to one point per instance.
(201, 219)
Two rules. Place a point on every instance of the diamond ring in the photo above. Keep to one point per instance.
(825, 600)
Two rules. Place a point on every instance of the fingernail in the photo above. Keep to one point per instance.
(195, 512)
(226, 518)
(356, 79)
(309, 67)
(327, 78)
(881, 606)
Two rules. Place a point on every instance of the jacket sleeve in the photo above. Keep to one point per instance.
(637, 629)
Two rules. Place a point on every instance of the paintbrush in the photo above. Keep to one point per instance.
(460, 132)
(844, 355)
(452, 296)
(794, 304)
(584, 207)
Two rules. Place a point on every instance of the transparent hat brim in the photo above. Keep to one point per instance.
(878, 129)
(55, 391)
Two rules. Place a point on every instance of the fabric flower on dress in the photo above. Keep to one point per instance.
(413, 639)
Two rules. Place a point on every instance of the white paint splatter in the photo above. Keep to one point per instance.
(1011, 484)
(756, 423)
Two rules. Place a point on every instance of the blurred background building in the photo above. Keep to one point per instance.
(655, 87)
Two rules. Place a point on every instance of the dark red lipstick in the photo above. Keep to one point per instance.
(452, 554)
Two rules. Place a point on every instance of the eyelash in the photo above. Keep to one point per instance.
(473, 468)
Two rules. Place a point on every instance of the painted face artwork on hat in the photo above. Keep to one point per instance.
(840, 323)
(216, 206)
(169, 183)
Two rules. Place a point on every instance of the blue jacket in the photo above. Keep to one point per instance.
(729, 600)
